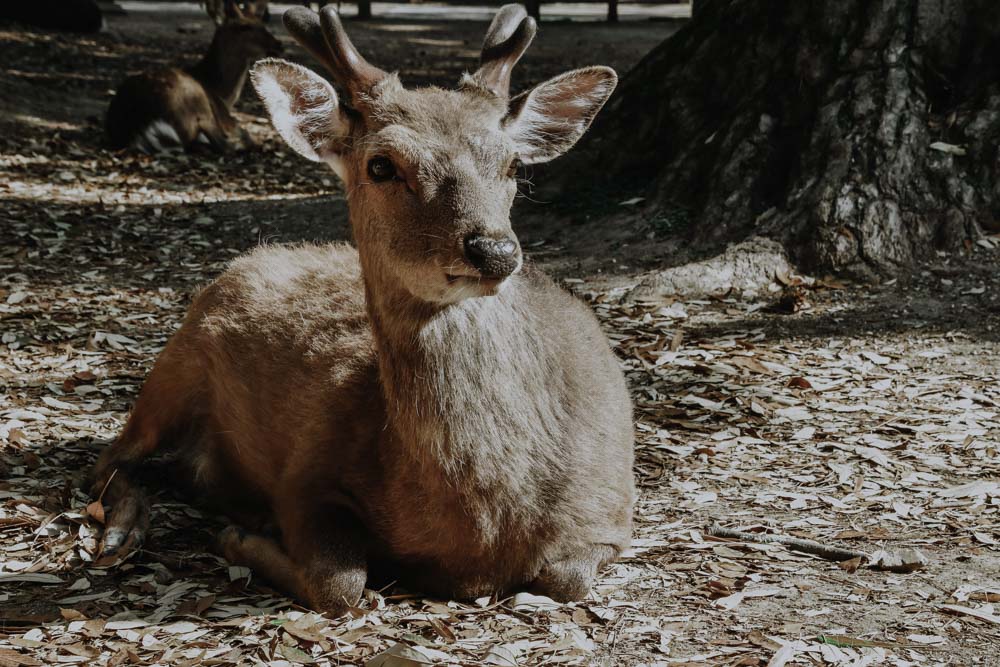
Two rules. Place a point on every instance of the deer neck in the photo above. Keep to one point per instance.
(464, 384)
(222, 71)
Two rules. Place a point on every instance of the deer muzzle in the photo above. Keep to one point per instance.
(495, 259)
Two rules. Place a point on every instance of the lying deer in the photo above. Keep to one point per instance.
(256, 8)
(171, 108)
(425, 408)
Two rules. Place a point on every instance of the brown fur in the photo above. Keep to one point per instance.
(172, 108)
(399, 418)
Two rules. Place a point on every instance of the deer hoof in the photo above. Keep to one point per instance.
(122, 540)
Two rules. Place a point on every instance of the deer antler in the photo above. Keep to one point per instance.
(508, 37)
(222, 10)
(324, 37)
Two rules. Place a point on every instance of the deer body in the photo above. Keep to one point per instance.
(172, 108)
(394, 426)
(420, 409)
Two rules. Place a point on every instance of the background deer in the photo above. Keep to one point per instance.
(426, 408)
(256, 8)
(171, 108)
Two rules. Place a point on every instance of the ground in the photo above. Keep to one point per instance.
(864, 416)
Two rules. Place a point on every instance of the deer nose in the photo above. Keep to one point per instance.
(493, 258)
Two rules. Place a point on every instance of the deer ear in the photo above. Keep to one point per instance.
(547, 120)
(233, 11)
(216, 11)
(303, 108)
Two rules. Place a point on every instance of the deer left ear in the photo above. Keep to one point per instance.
(547, 120)
(304, 110)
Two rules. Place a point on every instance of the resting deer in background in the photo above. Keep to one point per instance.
(255, 8)
(426, 408)
(171, 108)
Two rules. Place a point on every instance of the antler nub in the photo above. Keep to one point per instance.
(323, 35)
(508, 37)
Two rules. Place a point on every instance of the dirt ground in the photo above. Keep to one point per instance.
(860, 416)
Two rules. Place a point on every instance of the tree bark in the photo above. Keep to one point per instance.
(862, 134)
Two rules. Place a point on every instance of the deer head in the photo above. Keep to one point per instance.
(430, 173)
(242, 33)
(222, 10)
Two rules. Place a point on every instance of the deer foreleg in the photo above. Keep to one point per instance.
(164, 401)
(324, 566)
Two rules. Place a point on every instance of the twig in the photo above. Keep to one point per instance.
(904, 560)
(805, 546)
(100, 496)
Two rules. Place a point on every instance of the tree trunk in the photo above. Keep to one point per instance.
(612, 11)
(364, 9)
(862, 134)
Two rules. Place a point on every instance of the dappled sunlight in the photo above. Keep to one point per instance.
(49, 78)
(105, 191)
(426, 41)
(37, 192)
(41, 123)
(403, 27)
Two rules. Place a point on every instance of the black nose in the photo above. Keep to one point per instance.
(494, 258)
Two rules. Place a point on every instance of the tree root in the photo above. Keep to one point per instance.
(748, 267)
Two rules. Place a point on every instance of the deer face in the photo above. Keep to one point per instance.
(241, 32)
(247, 40)
(430, 173)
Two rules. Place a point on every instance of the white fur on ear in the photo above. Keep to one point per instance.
(547, 120)
(303, 108)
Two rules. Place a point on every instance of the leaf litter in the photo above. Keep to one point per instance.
(851, 416)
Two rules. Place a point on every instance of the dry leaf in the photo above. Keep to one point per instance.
(984, 613)
(95, 510)
(399, 655)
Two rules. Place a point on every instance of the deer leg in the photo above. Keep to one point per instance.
(163, 401)
(324, 566)
(570, 578)
(262, 555)
(331, 545)
(216, 126)
(216, 140)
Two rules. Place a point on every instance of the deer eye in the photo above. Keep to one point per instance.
(381, 169)
(515, 164)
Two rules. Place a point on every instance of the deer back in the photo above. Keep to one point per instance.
(175, 108)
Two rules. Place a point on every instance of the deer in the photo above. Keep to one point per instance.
(423, 406)
(171, 109)
(257, 8)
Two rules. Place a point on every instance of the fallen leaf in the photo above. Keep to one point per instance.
(528, 602)
(984, 613)
(399, 655)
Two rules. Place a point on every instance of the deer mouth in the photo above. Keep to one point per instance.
(484, 284)
(476, 279)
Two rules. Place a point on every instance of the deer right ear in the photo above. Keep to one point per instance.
(303, 108)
